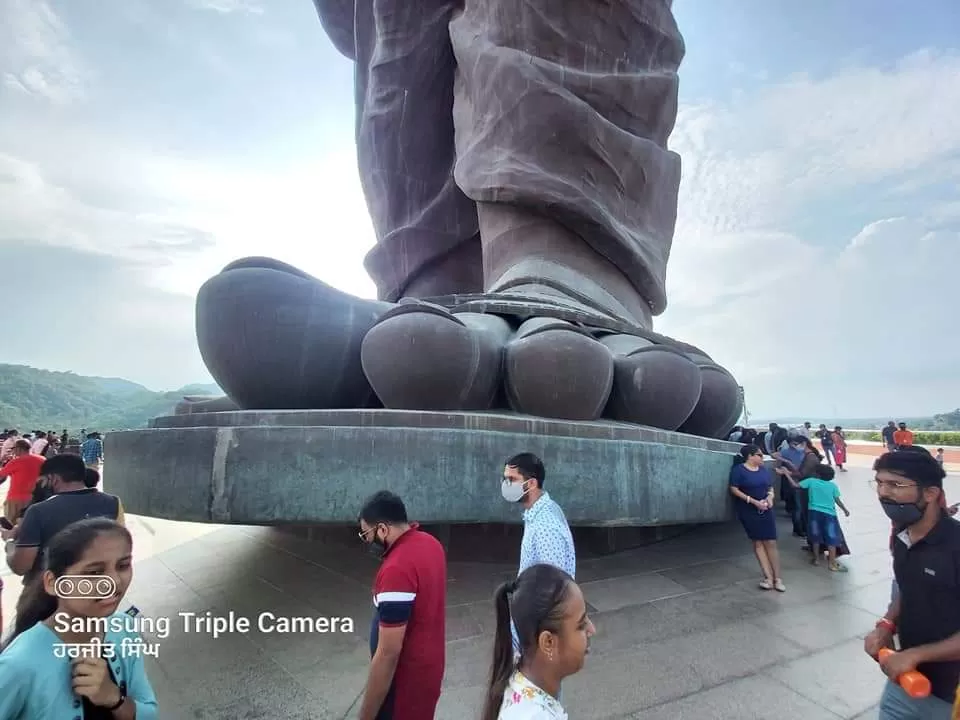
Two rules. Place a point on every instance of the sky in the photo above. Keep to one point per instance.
(144, 144)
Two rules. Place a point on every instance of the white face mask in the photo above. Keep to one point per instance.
(513, 492)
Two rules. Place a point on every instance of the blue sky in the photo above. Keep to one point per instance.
(146, 143)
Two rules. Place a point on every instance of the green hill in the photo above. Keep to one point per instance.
(32, 399)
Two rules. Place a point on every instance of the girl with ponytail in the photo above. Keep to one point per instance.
(38, 677)
(550, 616)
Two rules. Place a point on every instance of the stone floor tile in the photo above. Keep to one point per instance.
(462, 703)
(751, 698)
(842, 679)
(874, 598)
(620, 592)
(716, 573)
(821, 625)
(621, 683)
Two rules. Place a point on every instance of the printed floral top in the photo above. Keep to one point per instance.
(522, 700)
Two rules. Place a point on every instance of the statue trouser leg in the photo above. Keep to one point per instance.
(426, 227)
(562, 112)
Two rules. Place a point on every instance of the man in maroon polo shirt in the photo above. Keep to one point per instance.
(408, 631)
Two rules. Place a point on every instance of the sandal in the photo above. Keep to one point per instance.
(837, 567)
(779, 586)
(765, 584)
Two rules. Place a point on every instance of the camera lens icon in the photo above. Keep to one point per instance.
(85, 587)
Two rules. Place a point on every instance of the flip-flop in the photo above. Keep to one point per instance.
(837, 567)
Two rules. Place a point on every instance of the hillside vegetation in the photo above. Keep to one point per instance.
(32, 399)
(920, 437)
(941, 429)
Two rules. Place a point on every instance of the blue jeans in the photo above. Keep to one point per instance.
(829, 454)
(895, 704)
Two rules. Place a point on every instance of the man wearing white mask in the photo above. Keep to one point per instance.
(546, 534)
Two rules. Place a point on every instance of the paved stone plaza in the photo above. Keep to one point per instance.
(683, 632)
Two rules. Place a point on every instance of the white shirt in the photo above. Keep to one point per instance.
(546, 540)
(522, 700)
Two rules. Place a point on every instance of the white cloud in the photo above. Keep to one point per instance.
(33, 207)
(35, 53)
(226, 7)
(806, 323)
(206, 215)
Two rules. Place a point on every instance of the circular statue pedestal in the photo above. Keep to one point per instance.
(315, 468)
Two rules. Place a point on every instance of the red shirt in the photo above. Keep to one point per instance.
(23, 472)
(411, 589)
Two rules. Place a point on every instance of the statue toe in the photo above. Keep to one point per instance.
(720, 403)
(655, 385)
(421, 357)
(554, 369)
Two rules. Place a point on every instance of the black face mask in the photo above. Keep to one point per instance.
(903, 515)
(376, 546)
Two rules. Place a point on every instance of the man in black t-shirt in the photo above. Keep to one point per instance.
(925, 613)
(887, 434)
(71, 501)
(826, 442)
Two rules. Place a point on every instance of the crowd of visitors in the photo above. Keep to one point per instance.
(833, 443)
(60, 523)
(21, 457)
(924, 542)
(543, 629)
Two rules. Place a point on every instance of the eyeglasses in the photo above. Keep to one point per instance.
(892, 484)
(364, 533)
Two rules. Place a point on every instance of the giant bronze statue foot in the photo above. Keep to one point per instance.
(274, 337)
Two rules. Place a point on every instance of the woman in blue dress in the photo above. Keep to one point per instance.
(751, 485)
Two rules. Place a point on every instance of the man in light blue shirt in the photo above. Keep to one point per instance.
(546, 534)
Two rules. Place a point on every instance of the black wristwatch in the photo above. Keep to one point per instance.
(121, 701)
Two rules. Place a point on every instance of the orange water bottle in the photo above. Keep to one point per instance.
(915, 684)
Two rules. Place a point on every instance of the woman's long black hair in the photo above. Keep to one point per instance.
(535, 602)
(746, 451)
(65, 549)
(810, 447)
